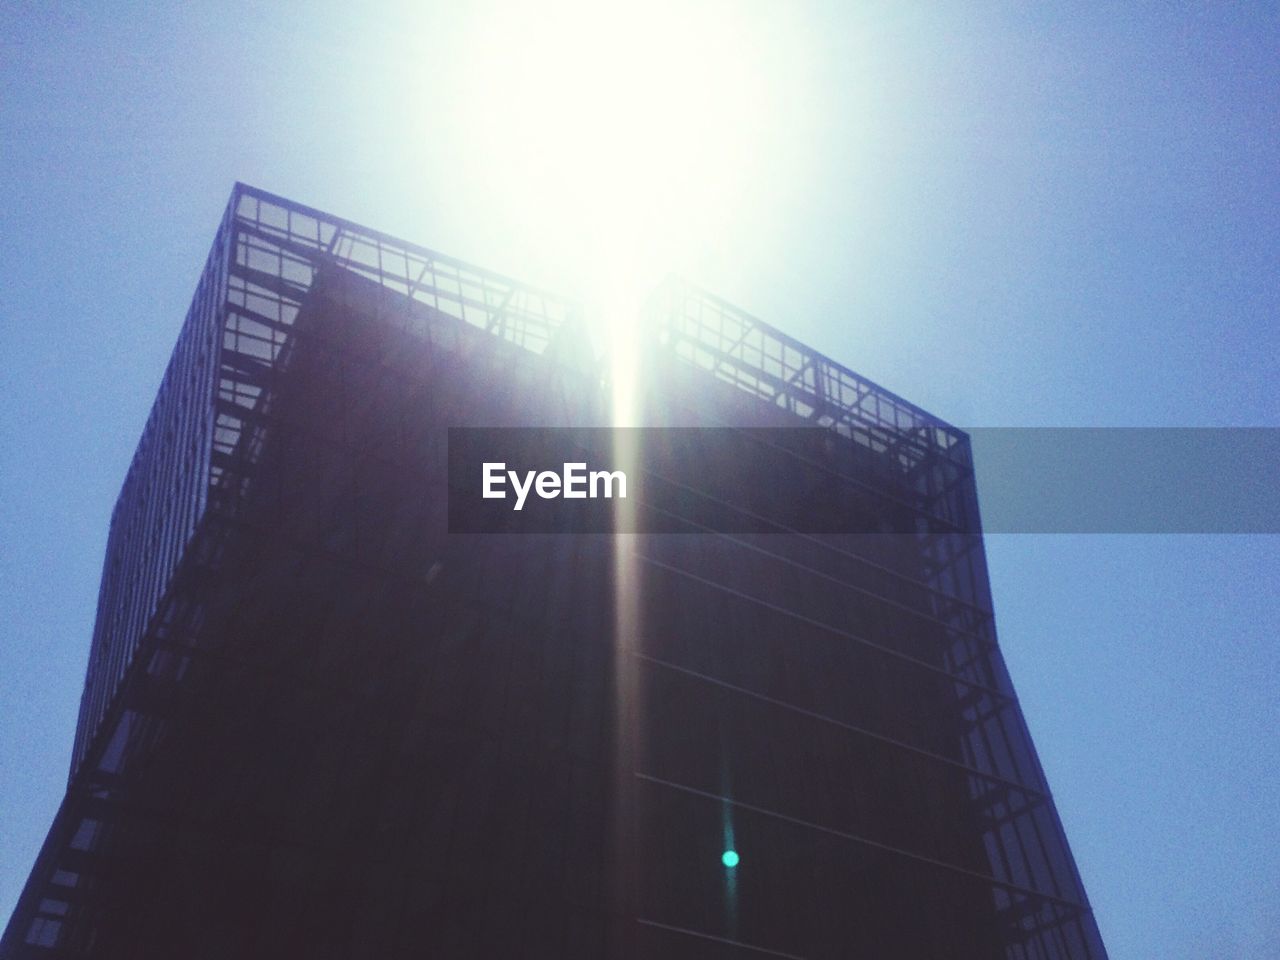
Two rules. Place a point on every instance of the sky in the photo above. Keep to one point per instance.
(1011, 214)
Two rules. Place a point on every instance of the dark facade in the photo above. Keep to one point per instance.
(317, 724)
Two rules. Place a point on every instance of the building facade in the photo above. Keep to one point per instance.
(318, 723)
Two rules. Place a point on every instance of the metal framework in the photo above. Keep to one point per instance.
(914, 614)
(926, 465)
(931, 458)
(267, 253)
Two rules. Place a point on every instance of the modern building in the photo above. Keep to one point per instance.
(317, 723)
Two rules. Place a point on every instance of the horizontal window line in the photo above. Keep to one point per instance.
(928, 754)
(710, 936)
(875, 844)
(1001, 698)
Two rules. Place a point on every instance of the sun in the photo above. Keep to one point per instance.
(620, 138)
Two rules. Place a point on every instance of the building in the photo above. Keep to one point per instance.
(317, 723)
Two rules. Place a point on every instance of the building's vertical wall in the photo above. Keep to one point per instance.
(198, 446)
(878, 649)
(161, 501)
(196, 464)
(357, 692)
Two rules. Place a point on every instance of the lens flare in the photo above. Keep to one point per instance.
(618, 143)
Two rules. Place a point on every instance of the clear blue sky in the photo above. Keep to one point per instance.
(1008, 214)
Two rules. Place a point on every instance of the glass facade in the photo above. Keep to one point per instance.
(315, 723)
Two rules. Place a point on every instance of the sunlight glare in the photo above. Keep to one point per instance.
(619, 137)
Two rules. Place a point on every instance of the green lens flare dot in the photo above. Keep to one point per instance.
(729, 858)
